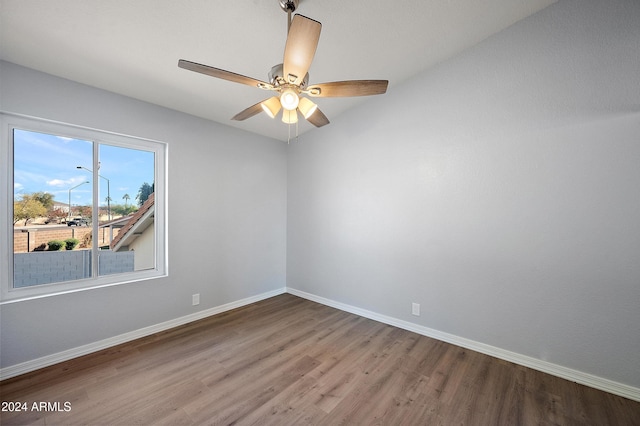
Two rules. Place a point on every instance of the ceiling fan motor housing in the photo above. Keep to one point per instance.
(276, 77)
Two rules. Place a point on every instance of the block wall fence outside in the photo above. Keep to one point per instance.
(115, 262)
(26, 239)
(50, 267)
(56, 266)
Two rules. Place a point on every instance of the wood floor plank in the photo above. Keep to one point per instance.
(289, 361)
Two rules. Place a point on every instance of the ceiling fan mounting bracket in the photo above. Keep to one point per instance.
(289, 6)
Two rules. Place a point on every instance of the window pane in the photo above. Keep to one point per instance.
(101, 194)
(52, 204)
(126, 230)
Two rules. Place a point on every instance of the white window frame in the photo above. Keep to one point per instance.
(8, 122)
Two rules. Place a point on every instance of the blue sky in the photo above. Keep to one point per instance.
(49, 163)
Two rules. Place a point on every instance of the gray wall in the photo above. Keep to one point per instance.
(500, 190)
(227, 184)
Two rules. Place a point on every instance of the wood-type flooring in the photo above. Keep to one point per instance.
(290, 361)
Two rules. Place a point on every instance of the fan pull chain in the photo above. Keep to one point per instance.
(289, 136)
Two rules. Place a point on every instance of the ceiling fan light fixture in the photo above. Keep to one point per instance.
(306, 107)
(271, 106)
(289, 116)
(289, 99)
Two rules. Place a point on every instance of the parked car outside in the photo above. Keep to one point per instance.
(77, 221)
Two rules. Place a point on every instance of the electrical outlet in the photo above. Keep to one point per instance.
(415, 309)
(195, 299)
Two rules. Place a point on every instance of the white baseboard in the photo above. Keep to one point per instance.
(586, 379)
(49, 360)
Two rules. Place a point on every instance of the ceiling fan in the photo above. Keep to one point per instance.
(290, 79)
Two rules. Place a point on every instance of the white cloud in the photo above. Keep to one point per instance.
(65, 139)
(65, 183)
(58, 183)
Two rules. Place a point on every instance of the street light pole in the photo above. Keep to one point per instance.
(108, 191)
(69, 217)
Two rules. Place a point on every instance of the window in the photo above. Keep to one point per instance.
(88, 208)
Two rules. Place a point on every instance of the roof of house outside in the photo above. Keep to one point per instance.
(133, 222)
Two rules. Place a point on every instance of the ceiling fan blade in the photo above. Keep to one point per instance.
(348, 88)
(225, 75)
(318, 118)
(249, 112)
(300, 49)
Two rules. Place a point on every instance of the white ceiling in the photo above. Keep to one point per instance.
(132, 47)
